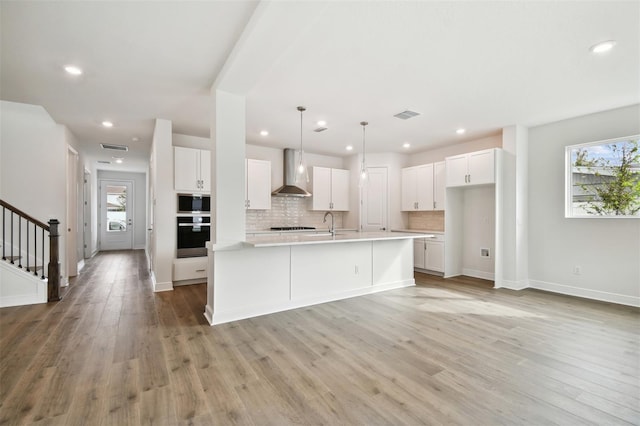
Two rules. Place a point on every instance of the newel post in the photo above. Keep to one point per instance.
(54, 265)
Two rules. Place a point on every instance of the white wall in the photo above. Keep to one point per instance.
(607, 250)
(139, 205)
(163, 244)
(33, 165)
(439, 154)
(478, 231)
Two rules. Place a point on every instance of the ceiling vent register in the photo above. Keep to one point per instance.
(405, 115)
(114, 147)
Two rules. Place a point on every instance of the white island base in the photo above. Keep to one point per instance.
(257, 279)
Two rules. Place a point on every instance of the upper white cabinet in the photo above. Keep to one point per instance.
(330, 189)
(474, 168)
(192, 169)
(439, 184)
(423, 187)
(258, 188)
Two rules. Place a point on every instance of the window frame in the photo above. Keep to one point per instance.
(568, 193)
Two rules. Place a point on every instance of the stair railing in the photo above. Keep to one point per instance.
(33, 228)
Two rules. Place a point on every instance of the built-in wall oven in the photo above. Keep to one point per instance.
(194, 203)
(193, 234)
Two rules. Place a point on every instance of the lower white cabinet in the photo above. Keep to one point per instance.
(428, 253)
(190, 268)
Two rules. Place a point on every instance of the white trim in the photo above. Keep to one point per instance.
(478, 274)
(513, 285)
(621, 299)
(216, 318)
(167, 286)
(80, 265)
(140, 247)
(28, 281)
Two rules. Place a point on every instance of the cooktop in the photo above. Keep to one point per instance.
(291, 228)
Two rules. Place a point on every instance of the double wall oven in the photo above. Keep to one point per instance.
(193, 224)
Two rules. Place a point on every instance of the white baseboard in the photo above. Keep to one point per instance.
(166, 286)
(80, 265)
(478, 274)
(514, 285)
(140, 247)
(208, 314)
(603, 296)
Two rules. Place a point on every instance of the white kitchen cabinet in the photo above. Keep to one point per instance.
(428, 253)
(418, 253)
(258, 184)
(190, 268)
(419, 188)
(329, 189)
(474, 168)
(439, 185)
(192, 169)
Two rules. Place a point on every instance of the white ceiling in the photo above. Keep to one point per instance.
(478, 65)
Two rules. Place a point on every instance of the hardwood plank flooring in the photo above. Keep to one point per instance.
(447, 351)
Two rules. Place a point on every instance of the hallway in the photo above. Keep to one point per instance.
(446, 351)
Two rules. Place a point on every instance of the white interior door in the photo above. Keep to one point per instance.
(72, 213)
(116, 215)
(86, 209)
(374, 200)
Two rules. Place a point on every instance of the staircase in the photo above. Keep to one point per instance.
(30, 269)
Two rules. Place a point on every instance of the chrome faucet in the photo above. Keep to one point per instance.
(324, 220)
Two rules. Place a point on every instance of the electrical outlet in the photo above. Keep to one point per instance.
(577, 270)
(484, 252)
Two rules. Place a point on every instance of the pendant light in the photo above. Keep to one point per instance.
(363, 167)
(302, 169)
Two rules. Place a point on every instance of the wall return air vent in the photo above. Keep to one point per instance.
(114, 147)
(405, 115)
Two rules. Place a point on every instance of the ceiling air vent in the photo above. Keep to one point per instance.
(405, 115)
(114, 147)
(320, 129)
(104, 162)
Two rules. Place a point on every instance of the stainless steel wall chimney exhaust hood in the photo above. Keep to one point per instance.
(289, 189)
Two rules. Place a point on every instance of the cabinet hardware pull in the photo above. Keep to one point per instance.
(200, 270)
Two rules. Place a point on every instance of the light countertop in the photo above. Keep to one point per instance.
(418, 231)
(326, 238)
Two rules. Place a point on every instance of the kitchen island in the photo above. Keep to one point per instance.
(272, 273)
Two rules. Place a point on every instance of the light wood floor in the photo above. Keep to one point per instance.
(444, 352)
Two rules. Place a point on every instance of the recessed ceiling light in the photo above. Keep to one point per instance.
(406, 145)
(264, 133)
(603, 46)
(322, 123)
(107, 124)
(349, 147)
(73, 70)
(460, 131)
(135, 139)
(118, 160)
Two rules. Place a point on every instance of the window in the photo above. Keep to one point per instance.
(603, 178)
(116, 208)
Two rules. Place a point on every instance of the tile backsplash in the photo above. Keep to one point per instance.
(289, 211)
(429, 221)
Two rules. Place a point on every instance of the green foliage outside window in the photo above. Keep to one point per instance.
(605, 179)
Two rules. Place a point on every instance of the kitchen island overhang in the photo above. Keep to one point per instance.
(269, 274)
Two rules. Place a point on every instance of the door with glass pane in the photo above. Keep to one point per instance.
(116, 215)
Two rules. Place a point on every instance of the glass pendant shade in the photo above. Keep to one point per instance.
(302, 174)
(363, 167)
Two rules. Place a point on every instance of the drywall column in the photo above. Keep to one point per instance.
(163, 240)
(227, 181)
(514, 265)
(227, 171)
